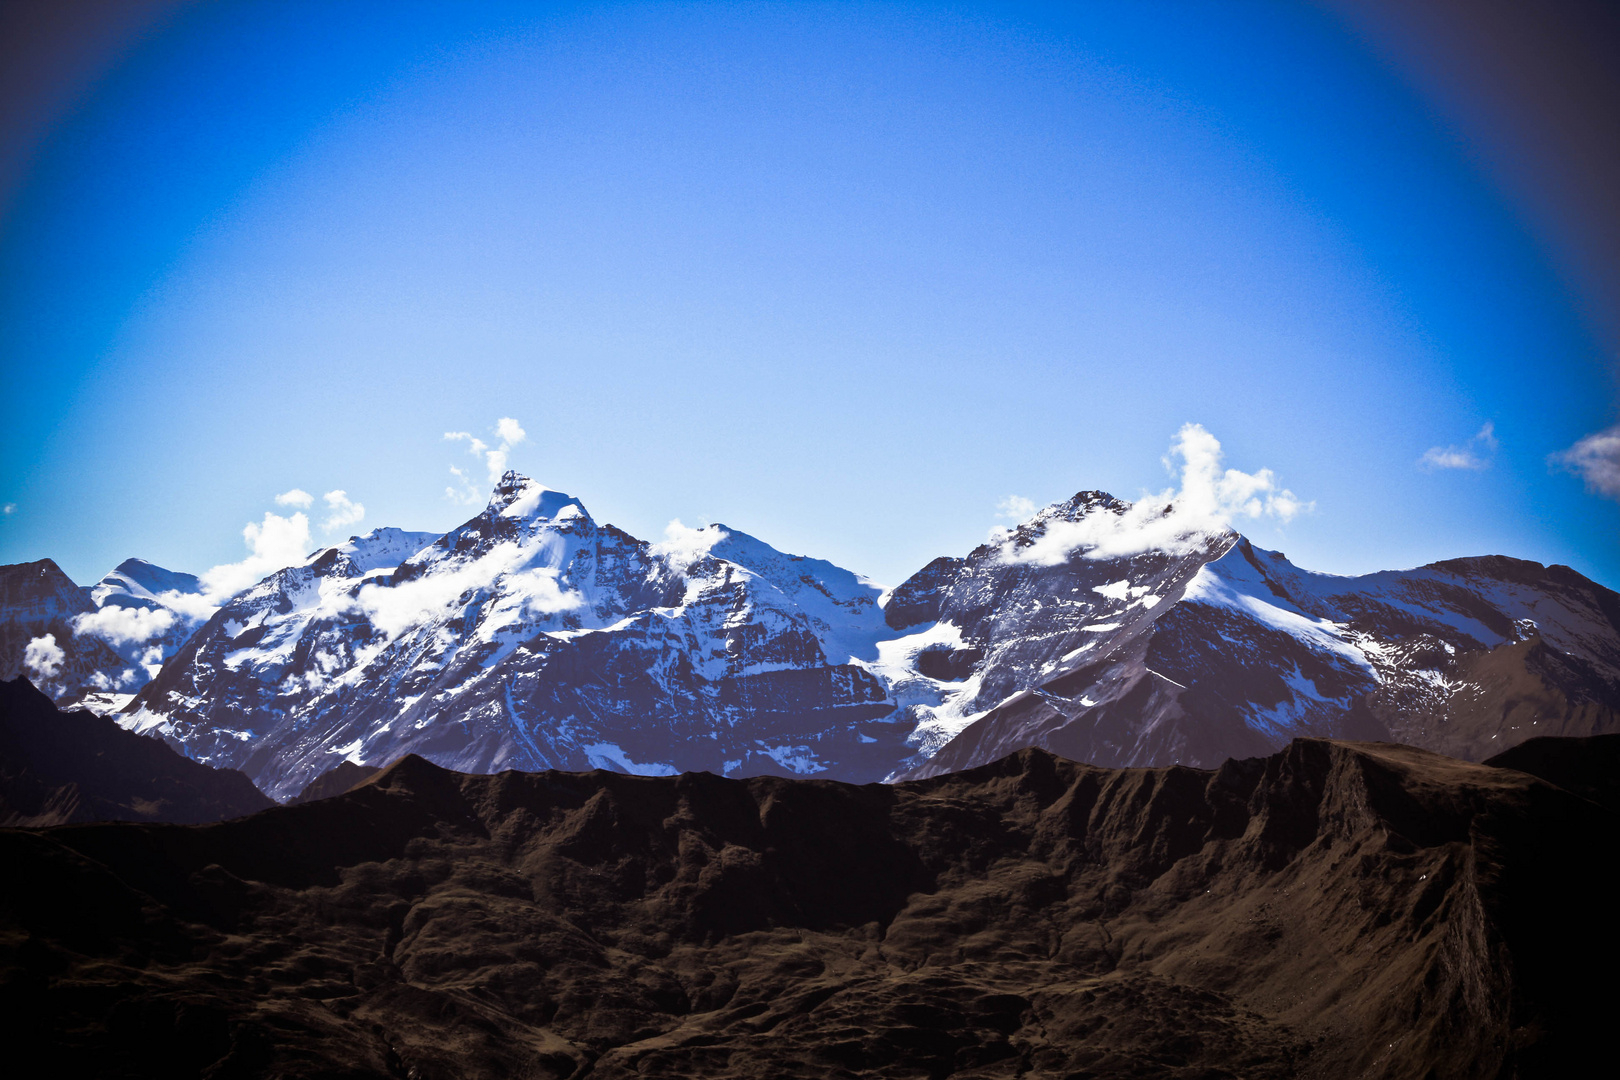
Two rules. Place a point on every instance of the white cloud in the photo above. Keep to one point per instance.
(9, 508)
(683, 545)
(296, 497)
(1015, 508)
(277, 543)
(1475, 454)
(1595, 459)
(44, 657)
(192, 607)
(394, 609)
(1175, 521)
(124, 625)
(507, 430)
(343, 511)
(510, 431)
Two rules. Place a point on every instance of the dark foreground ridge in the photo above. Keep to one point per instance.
(1333, 910)
(59, 767)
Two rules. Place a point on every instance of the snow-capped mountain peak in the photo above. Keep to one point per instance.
(517, 496)
(135, 580)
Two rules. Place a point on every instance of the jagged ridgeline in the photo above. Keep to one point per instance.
(533, 637)
(1333, 910)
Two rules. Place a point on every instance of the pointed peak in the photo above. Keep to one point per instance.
(517, 496)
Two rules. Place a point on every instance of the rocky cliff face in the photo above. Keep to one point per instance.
(58, 767)
(1466, 657)
(1332, 910)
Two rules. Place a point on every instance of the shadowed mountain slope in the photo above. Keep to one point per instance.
(1333, 910)
(58, 767)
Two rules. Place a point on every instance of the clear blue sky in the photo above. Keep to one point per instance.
(841, 276)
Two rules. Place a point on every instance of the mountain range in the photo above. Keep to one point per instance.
(532, 637)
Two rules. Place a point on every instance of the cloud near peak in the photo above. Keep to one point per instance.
(273, 544)
(508, 433)
(344, 511)
(1176, 520)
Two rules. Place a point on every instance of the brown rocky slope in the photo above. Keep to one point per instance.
(58, 767)
(1335, 909)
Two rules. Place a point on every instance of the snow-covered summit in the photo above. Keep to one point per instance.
(517, 496)
(136, 582)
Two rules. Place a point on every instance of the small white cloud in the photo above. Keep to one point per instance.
(1596, 460)
(1015, 508)
(507, 430)
(119, 626)
(344, 512)
(296, 497)
(1175, 521)
(275, 544)
(1475, 454)
(44, 657)
(510, 431)
(9, 508)
(683, 545)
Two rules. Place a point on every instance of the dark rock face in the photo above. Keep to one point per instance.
(1588, 767)
(917, 599)
(58, 767)
(335, 781)
(1333, 910)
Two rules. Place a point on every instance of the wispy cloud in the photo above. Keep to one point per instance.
(1595, 459)
(1177, 520)
(344, 512)
(396, 609)
(463, 491)
(296, 497)
(508, 433)
(9, 508)
(1015, 508)
(1476, 454)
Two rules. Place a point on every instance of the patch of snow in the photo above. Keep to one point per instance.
(606, 755)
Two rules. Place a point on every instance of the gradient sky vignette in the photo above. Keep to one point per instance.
(841, 276)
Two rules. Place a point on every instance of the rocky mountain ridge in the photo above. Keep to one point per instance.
(532, 636)
(60, 767)
(1331, 910)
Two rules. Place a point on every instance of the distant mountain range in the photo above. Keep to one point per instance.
(532, 637)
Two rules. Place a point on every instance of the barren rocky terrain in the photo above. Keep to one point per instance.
(1333, 910)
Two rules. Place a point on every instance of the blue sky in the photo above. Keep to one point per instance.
(846, 277)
